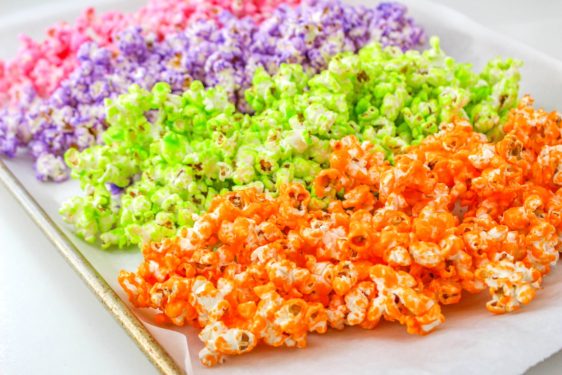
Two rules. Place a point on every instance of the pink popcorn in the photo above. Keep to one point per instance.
(41, 66)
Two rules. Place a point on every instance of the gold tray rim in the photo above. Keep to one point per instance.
(124, 316)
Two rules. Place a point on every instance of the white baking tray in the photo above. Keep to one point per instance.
(470, 341)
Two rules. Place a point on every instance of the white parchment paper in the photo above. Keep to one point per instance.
(472, 341)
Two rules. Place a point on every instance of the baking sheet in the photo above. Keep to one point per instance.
(471, 340)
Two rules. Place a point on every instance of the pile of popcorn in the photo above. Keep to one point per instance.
(290, 166)
(48, 118)
(453, 214)
(41, 66)
(165, 155)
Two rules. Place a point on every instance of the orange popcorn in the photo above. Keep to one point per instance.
(454, 214)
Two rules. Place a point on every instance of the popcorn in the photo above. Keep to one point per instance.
(220, 340)
(171, 154)
(285, 174)
(215, 47)
(357, 302)
(371, 241)
(42, 66)
(400, 302)
(511, 285)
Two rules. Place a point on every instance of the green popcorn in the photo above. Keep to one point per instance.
(306, 170)
(166, 155)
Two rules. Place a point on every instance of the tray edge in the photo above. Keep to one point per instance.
(134, 328)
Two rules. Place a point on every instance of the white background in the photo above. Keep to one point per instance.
(39, 293)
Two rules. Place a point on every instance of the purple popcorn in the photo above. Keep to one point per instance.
(8, 133)
(13, 131)
(226, 52)
(114, 189)
(74, 116)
